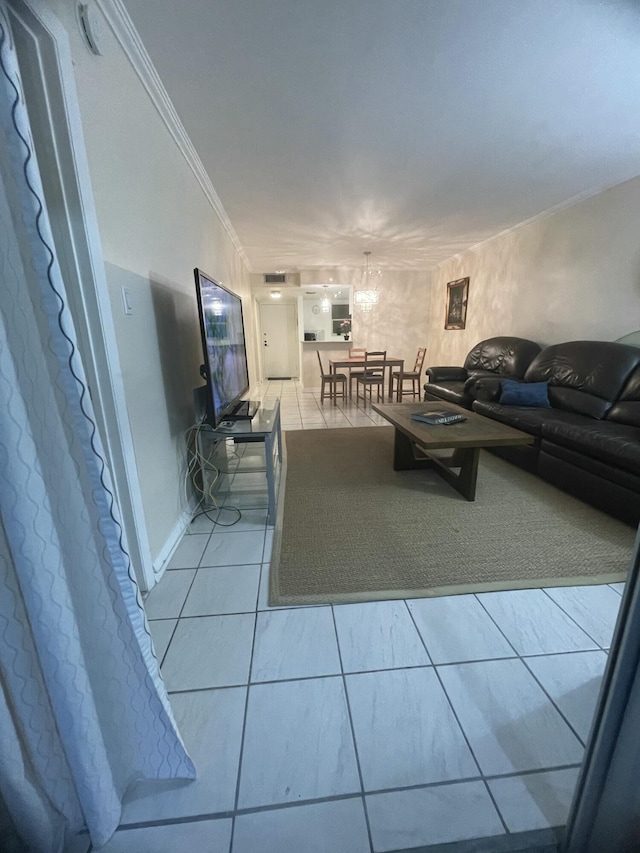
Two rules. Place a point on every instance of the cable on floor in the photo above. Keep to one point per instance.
(197, 464)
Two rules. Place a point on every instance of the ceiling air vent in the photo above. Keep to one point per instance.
(275, 278)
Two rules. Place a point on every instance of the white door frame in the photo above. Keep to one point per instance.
(86, 285)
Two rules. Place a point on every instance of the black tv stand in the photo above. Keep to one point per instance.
(244, 411)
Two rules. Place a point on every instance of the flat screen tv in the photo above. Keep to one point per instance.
(225, 353)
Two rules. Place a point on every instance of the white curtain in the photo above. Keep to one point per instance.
(83, 709)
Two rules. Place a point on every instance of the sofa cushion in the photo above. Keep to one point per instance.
(505, 355)
(627, 409)
(621, 476)
(454, 392)
(527, 419)
(584, 376)
(443, 373)
(524, 394)
(475, 375)
(614, 491)
(615, 444)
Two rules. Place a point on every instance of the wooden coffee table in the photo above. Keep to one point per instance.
(414, 441)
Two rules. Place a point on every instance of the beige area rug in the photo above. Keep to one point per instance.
(350, 528)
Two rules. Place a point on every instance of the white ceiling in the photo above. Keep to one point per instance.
(413, 128)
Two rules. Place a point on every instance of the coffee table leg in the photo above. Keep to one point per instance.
(404, 454)
(464, 482)
(466, 459)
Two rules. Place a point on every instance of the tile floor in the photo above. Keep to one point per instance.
(366, 727)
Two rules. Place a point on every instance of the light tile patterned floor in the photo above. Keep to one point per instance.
(365, 727)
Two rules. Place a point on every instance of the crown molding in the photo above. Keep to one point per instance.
(127, 37)
(550, 211)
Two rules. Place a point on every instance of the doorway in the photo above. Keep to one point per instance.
(278, 325)
(49, 91)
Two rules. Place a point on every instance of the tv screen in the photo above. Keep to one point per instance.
(223, 344)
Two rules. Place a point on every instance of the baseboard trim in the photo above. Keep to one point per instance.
(173, 540)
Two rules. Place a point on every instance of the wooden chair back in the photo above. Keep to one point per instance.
(417, 368)
(374, 363)
(322, 373)
(357, 352)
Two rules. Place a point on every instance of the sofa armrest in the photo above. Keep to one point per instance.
(447, 374)
(487, 389)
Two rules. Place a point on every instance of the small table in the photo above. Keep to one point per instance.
(264, 426)
(414, 441)
(338, 363)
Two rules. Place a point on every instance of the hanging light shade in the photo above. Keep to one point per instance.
(326, 302)
(367, 294)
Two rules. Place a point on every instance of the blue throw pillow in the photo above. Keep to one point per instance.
(524, 394)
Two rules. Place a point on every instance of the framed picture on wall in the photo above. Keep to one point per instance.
(457, 297)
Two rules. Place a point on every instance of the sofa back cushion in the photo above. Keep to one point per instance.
(584, 376)
(627, 408)
(507, 356)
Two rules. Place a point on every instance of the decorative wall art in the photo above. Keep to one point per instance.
(457, 297)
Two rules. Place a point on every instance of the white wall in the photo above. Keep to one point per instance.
(399, 323)
(571, 275)
(156, 224)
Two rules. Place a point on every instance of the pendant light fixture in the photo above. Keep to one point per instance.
(367, 294)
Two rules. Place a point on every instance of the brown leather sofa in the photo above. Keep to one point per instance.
(588, 442)
(504, 357)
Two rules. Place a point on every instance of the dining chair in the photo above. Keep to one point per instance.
(355, 352)
(399, 377)
(333, 380)
(373, 375)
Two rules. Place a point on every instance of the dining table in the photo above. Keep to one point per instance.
(337, 364)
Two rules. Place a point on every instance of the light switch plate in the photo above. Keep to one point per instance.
(127, 304)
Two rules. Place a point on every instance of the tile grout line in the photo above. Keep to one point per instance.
(257, 610)
(229, 814)
(242, 736)
(554, 703)
(507, 640)
(575, 621)
(522, 656)
(464, 734)
(175, 627)
(362, 671)
(353, 733)
(365, 671)
(522, 659)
